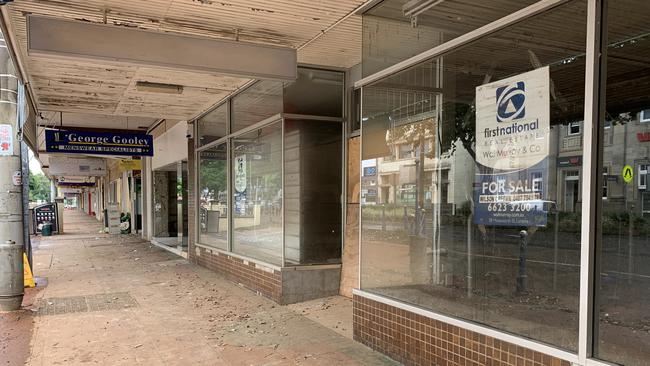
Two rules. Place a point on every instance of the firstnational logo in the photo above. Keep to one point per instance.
(512, 121)
(511, 102)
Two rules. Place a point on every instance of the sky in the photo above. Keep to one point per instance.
(34, 164)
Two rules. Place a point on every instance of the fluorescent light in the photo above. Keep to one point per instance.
(148, 87)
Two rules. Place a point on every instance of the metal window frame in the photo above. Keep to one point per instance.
(592, 130)
(592, 177)
(282, 172)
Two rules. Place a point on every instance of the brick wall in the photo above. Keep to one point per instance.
(266, 281)
(414, 339)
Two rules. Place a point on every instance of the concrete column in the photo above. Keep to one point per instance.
(52, 190)
(11, 201)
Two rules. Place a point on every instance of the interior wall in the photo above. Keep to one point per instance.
(170, 146)
(147, 189)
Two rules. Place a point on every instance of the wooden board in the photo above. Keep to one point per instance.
(350, 260)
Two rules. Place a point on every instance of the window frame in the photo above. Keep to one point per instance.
(642, 170)
(605, 187)
(577, 124)
(642, 117)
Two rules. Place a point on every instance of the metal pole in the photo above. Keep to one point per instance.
(630, 246)
(556, 230)
(470, 285)
(521, 277)
(11, 192)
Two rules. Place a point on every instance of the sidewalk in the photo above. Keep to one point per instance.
(121, 301)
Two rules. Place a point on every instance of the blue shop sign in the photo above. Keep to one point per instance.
(512, 198)
(104, 143)
(369, 171)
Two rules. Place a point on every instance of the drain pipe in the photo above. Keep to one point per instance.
(11, 188)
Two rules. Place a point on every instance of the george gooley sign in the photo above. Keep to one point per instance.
(104, 143)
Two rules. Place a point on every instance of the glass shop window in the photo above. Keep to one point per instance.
(622, 326)
(395, 30)
(482, 244)
(258, 102)
(257, 194)
(213, 196)
(213, 125)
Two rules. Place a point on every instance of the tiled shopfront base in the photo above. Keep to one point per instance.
(267, 281)
(414, 339)
(285, 285)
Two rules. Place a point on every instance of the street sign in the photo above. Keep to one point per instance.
(104, 143)
(627, 173)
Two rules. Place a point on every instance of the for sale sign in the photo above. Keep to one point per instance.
(512, 145)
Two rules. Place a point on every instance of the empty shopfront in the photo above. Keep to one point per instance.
(521, 239)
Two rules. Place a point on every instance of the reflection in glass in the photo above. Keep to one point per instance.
(393, 32)
(258, 102)
(213, 196)
(466, 219)
(213, 125)
(623, 282)
(257, 194)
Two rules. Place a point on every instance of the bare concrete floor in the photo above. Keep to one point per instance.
(117, 300)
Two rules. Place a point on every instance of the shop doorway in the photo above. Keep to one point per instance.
(170, 213)
(571, 190)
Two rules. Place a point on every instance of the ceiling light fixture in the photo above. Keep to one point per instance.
(148, 87)
(414, 8)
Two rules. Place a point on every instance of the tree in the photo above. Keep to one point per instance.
(39, 187)
(213, 178)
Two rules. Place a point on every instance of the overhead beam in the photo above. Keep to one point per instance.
(53, 37)
(93, 129)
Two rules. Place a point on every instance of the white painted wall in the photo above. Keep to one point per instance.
(147, 193)
(170, 147)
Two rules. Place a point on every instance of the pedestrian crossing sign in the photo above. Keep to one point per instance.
(627, 174)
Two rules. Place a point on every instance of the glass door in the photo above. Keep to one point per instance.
(170, 190)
